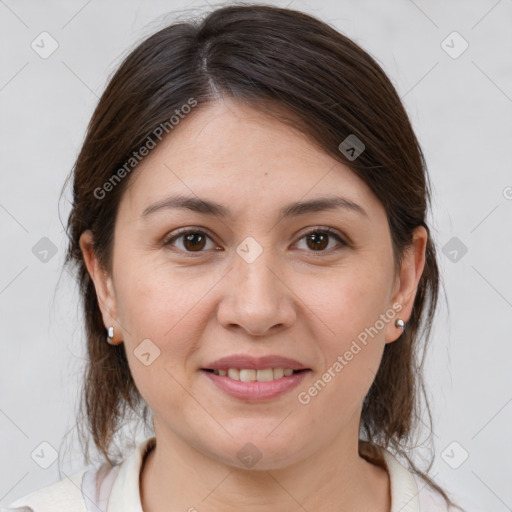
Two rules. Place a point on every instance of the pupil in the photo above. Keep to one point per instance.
(192, 237)
(322, 240)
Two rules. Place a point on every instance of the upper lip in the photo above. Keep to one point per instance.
(255, 363)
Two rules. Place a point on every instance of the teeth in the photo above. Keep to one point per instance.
(234, 374)
(265, 375)
(278, 373)
(249, 375)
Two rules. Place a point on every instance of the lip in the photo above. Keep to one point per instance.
(256, 391)
(255, 363)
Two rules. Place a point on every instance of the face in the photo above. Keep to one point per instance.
(254, 278)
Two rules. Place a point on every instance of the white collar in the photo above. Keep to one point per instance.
(125, 494)
(404, 490)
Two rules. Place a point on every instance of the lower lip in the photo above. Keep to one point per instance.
(256, 391)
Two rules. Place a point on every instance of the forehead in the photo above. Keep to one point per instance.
(238, 156)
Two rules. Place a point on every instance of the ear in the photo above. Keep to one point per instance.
(406, 282)
(103, 284)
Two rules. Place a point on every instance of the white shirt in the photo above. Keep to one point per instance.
(105, 488)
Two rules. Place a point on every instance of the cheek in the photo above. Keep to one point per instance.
(346, 308)
(155, 300)
(345, 302)
(165, 314)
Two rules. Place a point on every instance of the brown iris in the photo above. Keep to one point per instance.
(194, 241)
(320, 240)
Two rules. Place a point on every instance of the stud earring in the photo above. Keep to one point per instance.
(400, 323)
(110, 335)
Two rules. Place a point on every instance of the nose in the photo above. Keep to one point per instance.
(257, 299)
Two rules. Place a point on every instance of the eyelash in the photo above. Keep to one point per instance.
(188, 231)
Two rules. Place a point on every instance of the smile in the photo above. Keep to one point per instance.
(245, 384)
(251, 375)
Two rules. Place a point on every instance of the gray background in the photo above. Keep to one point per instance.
(461, 110)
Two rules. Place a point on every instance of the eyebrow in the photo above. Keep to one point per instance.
(216, 209)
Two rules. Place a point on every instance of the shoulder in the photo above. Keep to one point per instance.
(98, 487)
(62, 495)
(83, 491)
(410, 492)
(430, 499)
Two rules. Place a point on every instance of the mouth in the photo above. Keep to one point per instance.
(254, 375)
(261, 382)
(255, 379)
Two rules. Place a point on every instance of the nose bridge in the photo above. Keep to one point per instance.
(254, 275)
(255, 280)
(258, 299)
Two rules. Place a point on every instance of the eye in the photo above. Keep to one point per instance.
(193, 240)
(318, 239)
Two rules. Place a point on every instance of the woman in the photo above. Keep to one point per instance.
(249, 232)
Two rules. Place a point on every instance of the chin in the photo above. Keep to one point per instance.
(258, 451)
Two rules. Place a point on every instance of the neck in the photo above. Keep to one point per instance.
(176, 477)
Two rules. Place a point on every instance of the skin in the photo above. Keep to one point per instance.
(292, 300)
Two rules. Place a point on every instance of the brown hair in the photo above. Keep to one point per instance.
(304, 72)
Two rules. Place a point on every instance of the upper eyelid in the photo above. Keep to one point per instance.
(185, 231)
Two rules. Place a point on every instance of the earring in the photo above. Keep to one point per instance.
(400, 323)
(110, 335)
